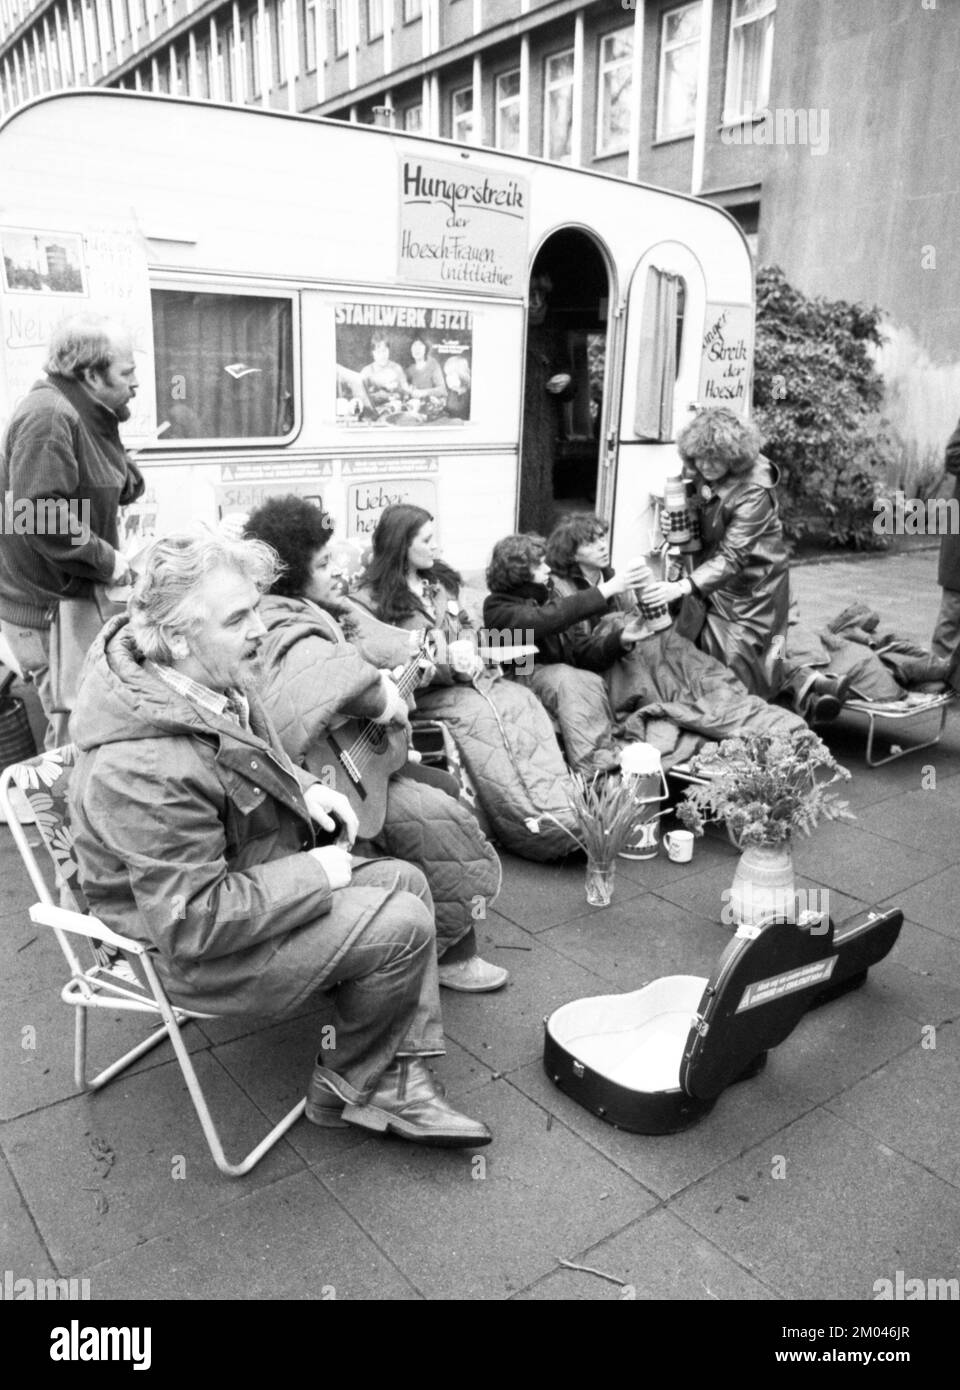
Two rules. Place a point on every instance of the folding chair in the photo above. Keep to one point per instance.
(43, 781)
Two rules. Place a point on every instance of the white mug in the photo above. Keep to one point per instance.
(679, 845)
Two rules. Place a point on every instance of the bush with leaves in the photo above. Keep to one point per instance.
(816, 398)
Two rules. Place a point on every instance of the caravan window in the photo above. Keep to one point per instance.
(224, 365)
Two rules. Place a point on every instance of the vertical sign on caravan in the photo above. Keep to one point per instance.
(463, 227)
(726, 356)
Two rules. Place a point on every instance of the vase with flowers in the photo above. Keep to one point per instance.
(766, 789)
(604, 815)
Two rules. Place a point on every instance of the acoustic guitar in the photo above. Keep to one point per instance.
(359, 757)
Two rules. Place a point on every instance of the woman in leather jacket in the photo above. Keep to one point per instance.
(742, 577)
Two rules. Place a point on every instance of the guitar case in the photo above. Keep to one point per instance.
(656, 1060)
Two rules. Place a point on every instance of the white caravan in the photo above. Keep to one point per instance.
(282, 272)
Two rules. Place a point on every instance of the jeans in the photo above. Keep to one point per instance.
(30, 647)
(387, 1002)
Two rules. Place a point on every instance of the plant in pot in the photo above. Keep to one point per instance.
(605, 812)
(767, 790)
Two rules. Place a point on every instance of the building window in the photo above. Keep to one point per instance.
(224, 365)
(341, 26)
(250, 55)
(750, 58)
(615, 91)
(310, 36)
(413, 119)
(412, 9)
(461, 115)
(225, 64)
(679, 63)
(507, 131)
(203, 69)
(374, 19)
(558, 97)
(277, 42)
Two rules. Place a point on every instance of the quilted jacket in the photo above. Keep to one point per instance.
(311, 673)
(508, 746)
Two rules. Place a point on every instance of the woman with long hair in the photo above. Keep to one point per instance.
(316, 674)
(522, 600)
(502, 732)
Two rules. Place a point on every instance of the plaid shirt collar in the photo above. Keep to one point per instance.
(225, 705)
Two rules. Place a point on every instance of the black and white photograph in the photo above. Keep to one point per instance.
(479, 669)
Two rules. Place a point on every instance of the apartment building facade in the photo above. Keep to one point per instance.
(823, 126)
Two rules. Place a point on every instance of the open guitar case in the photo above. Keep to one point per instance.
(655, 1061)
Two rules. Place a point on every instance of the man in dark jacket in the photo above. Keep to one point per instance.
(62, 459)
(946, 635)
(194, 835)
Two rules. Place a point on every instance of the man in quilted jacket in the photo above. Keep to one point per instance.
(196, 835)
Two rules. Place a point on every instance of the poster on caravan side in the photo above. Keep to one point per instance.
(51, 273)
(403, 364)
(463, 225)
(726, 356)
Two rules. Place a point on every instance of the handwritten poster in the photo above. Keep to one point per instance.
(727, 356)
(403, 364)
(462, 225)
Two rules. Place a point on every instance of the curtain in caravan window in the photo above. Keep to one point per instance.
(224, 365)
(657, 372)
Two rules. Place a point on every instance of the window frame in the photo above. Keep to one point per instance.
(412, 11)
(455, 118)
(661, 132)
(414, 106)
(602, 151)
(248, 290)
(498, 105)
(374, 7)
(745, 111)
(550, 87)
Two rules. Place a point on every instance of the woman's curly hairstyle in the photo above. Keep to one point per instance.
(296, 529)
(568, 535)
(719, 433)
(513, 562)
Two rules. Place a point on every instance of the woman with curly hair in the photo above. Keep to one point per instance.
(322, 665)
(742, 576)
(501, 731)
(522, 602)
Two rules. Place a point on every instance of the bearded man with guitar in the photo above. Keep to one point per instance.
(335, 681)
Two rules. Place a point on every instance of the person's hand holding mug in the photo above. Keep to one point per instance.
(559, 383)
(635, 574)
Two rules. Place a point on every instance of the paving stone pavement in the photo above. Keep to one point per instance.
(858, 1108)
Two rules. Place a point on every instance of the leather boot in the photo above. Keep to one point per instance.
(324, 1106)
(407, 1102)
(824, 699)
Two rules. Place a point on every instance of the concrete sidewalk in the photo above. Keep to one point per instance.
(858, 1109)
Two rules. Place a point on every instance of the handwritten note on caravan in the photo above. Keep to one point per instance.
(464, 226)
(727, 356)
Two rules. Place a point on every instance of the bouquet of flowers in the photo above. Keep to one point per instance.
(766, 788)
(604, 812)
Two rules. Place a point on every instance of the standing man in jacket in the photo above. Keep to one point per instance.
(62, 459)
(195, 835)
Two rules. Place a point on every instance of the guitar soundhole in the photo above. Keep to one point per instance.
(379, 740)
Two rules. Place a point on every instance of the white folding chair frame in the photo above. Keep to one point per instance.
(95, 989)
